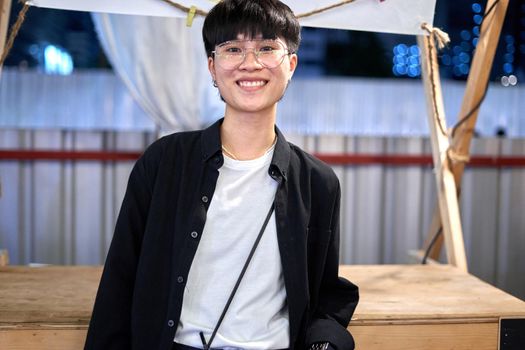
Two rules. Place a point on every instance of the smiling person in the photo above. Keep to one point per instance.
(228, 237)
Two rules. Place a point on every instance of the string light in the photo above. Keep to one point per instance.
(406, 60)
(57, 61)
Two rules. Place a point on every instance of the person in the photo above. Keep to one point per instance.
(197, 202)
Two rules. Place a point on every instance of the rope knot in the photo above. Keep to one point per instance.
(456, 157)
(440, 37)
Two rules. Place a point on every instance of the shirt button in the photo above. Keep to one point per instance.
(171, 323)
(204, 199)
(194, 234)
(180, 279)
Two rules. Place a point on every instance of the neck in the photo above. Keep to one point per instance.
(247, 136)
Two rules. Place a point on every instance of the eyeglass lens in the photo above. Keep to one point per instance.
(231, 54)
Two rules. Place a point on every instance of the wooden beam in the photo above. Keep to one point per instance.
(477, 81)
(5, 10)
(446, 186)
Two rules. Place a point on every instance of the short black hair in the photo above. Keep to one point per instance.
(270, 18)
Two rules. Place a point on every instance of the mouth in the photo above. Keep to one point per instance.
(251, 84)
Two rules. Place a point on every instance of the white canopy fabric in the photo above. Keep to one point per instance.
(389, 16)
(162, 61)
(163, 64)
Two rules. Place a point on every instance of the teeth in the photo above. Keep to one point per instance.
(251, 83)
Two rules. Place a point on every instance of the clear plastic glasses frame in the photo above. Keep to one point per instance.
(268, 52)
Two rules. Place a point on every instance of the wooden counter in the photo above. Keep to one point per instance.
(405, 307)
(413, 307)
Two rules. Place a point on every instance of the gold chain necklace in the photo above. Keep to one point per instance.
(234, 157)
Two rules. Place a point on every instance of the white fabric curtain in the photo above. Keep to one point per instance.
(163, 64)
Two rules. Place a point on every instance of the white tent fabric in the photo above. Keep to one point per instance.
(163, 64)
(389, 16)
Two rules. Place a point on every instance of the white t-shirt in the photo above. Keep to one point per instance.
(258, 315)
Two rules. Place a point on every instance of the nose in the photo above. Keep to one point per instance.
(250, 61)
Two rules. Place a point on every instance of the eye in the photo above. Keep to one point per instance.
(267, 49)
(232, 50)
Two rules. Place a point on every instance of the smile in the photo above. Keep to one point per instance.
(251, 83)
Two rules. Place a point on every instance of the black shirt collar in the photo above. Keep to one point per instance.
(211, 146)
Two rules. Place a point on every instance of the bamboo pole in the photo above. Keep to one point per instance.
(5, 10)
(446, 186)
(477, 81)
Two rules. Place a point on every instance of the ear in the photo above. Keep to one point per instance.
(211, 67)
(293, 64)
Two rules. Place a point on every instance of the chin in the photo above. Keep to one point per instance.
(251, 106)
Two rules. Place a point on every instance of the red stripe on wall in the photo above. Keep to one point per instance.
(102, 156)
(404, 160)
(333, 159)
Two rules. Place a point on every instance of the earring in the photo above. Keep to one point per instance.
(215, 83)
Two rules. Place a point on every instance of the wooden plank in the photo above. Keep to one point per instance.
(5, 10)
(446, 186)
(478, 77)
(402, 294)
(47, 295)
(429, 337)
(43, 339)
(4, 256)
(49, 307)
(475, 88)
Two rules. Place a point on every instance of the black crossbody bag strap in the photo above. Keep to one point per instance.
(207, 345)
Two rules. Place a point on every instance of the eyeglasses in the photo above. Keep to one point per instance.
(231, 54)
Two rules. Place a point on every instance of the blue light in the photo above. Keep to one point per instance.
(464, 58)
(457, 50)
(413, 60)
(475, 30)
(402, 49)
(34, 50)
(464, 68)
(456, 71)
(509, 39)
(401, 69)
(477, 19)
(446, 60)
(475, 42)
(414, 50)
(511, 48)
(456, 61)
(398, 59)
(57, 61)
(465, 46)
(508, 68)
(508, 57)
(414, 71)
(394, 71)
(465, 34)
(476, 8)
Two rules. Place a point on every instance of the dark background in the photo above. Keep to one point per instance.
(324, 52)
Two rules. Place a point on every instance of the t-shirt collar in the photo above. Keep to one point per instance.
(211, 146)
